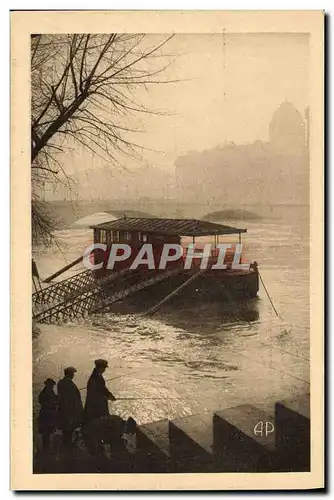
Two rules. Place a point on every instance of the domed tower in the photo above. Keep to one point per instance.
(287, 133)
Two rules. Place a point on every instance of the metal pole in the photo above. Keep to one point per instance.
(63, 269)
(33, 280)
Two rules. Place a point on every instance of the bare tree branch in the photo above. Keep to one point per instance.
(82, 91)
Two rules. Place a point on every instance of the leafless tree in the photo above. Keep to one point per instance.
(83, 91)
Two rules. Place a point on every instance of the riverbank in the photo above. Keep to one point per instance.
(236, 439)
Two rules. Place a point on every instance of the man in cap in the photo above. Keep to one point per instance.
(97, 393)
(47, 419)
(70, 405)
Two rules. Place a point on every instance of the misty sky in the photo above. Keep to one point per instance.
(231, 86)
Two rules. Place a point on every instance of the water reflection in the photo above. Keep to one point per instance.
(196, 316)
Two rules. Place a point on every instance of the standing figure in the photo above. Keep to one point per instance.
(97, 393)
(48, 413)
(70, 405)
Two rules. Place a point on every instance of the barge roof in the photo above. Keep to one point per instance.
(180, 227)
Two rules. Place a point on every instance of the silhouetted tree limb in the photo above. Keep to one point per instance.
(82, 89)
(89, 78)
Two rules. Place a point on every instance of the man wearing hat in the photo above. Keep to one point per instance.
(70, 405)
(97, 393)
(47, 418)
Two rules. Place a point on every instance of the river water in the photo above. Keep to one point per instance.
(189, 357)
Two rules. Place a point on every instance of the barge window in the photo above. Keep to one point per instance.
(127, 236)
(142, 237)
(115, 236)
(103, 236)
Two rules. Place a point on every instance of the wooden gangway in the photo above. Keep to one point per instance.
(84, 294)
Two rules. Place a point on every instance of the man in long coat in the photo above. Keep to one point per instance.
(47, 420)
(70, 405)
(97, 393)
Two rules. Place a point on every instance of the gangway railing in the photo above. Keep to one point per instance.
(59, 291)
(98, 297)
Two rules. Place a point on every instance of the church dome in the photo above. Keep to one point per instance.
(287, 129)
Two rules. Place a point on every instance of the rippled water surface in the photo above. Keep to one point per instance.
(189, 357)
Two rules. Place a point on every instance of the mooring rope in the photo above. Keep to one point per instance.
(265, 288)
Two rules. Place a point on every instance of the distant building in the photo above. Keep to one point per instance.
(263, 172)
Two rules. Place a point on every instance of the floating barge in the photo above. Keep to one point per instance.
(226, 283)
(98, 289)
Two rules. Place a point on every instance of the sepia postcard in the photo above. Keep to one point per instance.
(167, 250)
